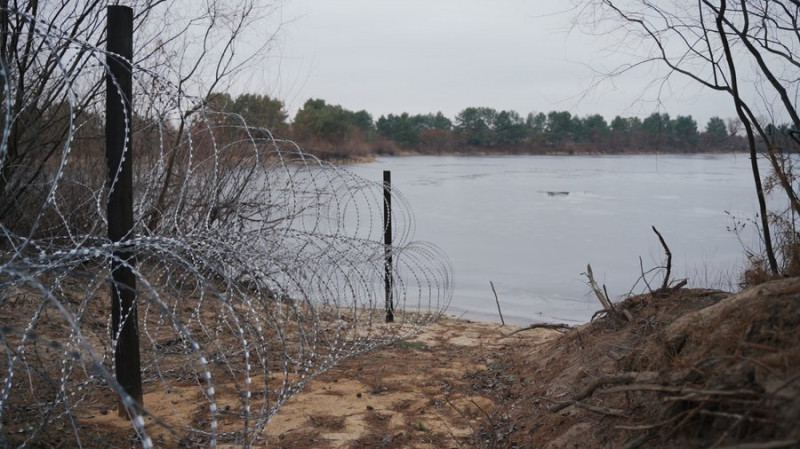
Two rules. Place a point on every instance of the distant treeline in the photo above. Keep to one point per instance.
(333, 132)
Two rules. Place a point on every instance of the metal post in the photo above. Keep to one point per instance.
(4, 29)
(119, 83)
(387, 241)
(4, 18)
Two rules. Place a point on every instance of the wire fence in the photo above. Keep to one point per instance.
(257, 266)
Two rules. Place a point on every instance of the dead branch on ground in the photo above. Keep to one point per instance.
(686, 393)
(778, 444)
(554, 326)
(592, 408)
(589, 389)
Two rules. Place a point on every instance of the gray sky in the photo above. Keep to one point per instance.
(420, 56)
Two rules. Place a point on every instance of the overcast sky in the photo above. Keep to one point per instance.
(420, 56)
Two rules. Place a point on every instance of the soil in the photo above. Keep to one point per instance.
(674, 368)
(689, 368)
(435, 390)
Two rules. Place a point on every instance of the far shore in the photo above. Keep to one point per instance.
(373, 157)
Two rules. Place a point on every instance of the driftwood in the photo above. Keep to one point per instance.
(608, 306)
(554, 326)
(597, 291)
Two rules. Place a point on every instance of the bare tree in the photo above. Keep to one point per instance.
(189, 47)
(746, 49)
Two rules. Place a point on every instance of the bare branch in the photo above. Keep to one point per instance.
(665, 284)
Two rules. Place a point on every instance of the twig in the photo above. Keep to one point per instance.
(644, 276)
(599, 312)
(450, 431)
(598, 292)
(553, 326)
(498, 303)
(679, 285)
(686, 392)
(665, 284)
(664, 292)
(491, 421)
(748, 412)
(469, 423)
(687, 417)
(778, 444)
(736, 416)
(640, 427)
(591, 408)
(589, 389)
(605, 292)
(639, 441)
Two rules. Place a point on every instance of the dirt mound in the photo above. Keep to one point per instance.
(695, 368)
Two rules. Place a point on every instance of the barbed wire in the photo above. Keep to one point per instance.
(258, 266)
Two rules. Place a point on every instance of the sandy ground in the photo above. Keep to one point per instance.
(437, 389)
(673, 368)
(429, 391)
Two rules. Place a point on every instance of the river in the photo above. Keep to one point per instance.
(530, 224)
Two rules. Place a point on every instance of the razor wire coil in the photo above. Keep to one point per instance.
(258, 266)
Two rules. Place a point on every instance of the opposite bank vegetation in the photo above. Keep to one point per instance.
(332, 132)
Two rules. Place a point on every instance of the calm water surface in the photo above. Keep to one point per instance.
(531, 224)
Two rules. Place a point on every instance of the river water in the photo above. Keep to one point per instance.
(530, 224)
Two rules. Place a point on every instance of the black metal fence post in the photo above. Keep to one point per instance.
(387, 241)
(4, 18)
(119, 82)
